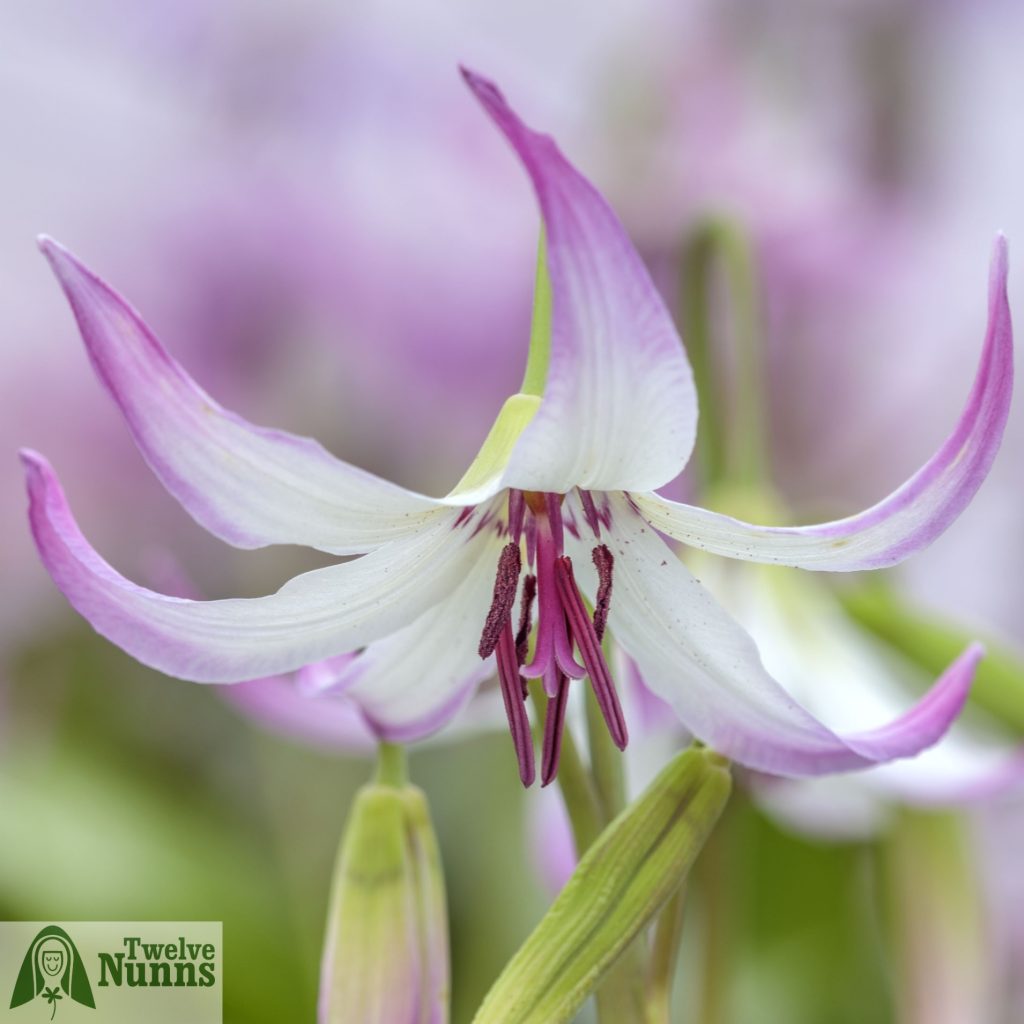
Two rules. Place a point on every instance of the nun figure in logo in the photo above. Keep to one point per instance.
(52, 969)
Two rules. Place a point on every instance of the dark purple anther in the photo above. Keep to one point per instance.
(582, 629)
(554, 727)
(505, 583)
(603, 562)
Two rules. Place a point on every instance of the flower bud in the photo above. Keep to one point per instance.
(386, 953)
(632, 869)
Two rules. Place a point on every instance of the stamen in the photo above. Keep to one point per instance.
(525, 617)
(516, 512)
(604, 563)
(505, 583)
(512, 690)
(554, 727)
(590, 511)
(554, 511)
(587, 641)
(531, 541)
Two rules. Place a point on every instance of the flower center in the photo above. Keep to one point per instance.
(564, 627)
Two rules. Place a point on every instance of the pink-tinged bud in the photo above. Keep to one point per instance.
(386, 953)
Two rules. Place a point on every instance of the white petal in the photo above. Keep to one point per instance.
(314, 616)
(414, 681)
(619, 408)
(846, 678)
(698, 659)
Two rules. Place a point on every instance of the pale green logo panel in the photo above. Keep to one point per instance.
(111, 972)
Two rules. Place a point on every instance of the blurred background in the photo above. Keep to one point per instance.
(311, 212)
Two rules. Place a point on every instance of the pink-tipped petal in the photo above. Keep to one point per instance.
(248, 485)
(619, 409)
(314, 616)
(912, 516)
(697, 658)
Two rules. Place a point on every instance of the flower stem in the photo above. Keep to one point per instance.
(606, 761)
(392, 766)
(661, 971)
(582, 803)
(732, 441)
(712, 880)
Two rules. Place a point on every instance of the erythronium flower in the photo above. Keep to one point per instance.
(564, 483)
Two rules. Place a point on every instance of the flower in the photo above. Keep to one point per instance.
(566, 480)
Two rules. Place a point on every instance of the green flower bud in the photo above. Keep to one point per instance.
(633, 868)
(386, 953)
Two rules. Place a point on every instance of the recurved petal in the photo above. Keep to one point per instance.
(912, 516)
(314, 616)
(249, 485)
(416, 680)
(619, 410)
(698, 659)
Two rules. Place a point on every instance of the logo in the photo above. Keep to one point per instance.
(52, 970)
(111, 972)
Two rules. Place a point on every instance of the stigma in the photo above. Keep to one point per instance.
(567, 636)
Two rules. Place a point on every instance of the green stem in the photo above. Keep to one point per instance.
(582, 803)
(620, 999)
(606, 761)
(712, 880)
(661, 971)
(731, 444)
(392, 766)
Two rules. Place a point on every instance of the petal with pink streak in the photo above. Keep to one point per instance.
(619, 409)
(314, 616)
(698, 659)
(912, 516)
(249, 485)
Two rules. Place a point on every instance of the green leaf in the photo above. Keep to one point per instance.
(933, 642)
(634, 868)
